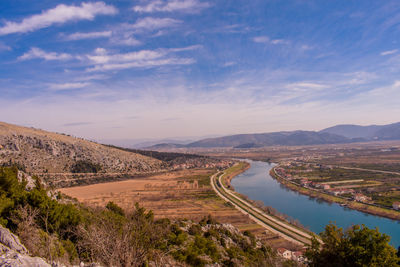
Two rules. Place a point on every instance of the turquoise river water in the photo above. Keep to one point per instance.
(314, 214)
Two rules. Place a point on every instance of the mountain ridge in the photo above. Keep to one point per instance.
(369, 132)
(344, 133)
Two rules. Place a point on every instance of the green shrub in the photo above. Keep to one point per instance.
(115, 208)
(358, 246)
(195, 229)
(85, 166)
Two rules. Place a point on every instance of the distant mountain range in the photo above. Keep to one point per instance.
(333, 135)
(372, 132)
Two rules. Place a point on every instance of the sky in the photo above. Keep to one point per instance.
(189, 68)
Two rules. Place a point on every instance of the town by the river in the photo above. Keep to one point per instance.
(312, 213)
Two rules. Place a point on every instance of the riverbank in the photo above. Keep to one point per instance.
(273, 224)
(232, 172)
(373, 210)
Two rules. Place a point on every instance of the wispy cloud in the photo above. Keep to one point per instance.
(150, 23)
(261, 39)
(58, 15)
(189, 6)
(229, 63)
(279, 41)
(68, 86)
(187, 48)
(389, 52)
(125, 39)
(35, 52)
(143, 64)
(92, 77)
(301, 86)
(88, 35)
(267, 40)
(231, 28)
(105, 61)
(102, 56)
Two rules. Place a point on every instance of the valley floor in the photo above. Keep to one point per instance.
(179, 194)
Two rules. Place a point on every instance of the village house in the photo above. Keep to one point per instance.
(396, 205)
(360, 197)
(318, 185)
(341, 191)
(306, 183)
(322, 186)
(286, 254)
(326, 187)
(291, 255)
(298, 256)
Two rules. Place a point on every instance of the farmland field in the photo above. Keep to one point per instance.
(185, 194)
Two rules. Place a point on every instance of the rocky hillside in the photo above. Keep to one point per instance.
(45, 152)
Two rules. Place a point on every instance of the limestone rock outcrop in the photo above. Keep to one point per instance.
(14, 254)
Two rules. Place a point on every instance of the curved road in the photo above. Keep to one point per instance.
(271, 223)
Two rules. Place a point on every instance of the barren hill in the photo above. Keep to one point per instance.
(45, 152)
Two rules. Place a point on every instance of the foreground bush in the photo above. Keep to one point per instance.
(358, 246)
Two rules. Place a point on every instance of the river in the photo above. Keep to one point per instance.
(314, 214)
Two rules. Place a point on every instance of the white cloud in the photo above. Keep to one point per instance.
(229, 64)
(67, 86)
(150, 23)
(88, 35)
(279, 41)
(261, 39)
(91, 77)
(101, 56)
(306, 47)
(309, 85)
(129, 41)
(58, 15)
(267, 40)
(144, 64)
(237, 106)
(35, 52)
(103, 61)
(187, 48)
(189, 6)
(389, 52)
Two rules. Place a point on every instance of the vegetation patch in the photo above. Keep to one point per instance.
(85, 166)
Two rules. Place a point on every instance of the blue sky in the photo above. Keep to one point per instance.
(155, 68)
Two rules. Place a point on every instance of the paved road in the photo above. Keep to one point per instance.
(271, 223)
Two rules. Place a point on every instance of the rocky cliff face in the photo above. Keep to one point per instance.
(44, 152)
(13, 253)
